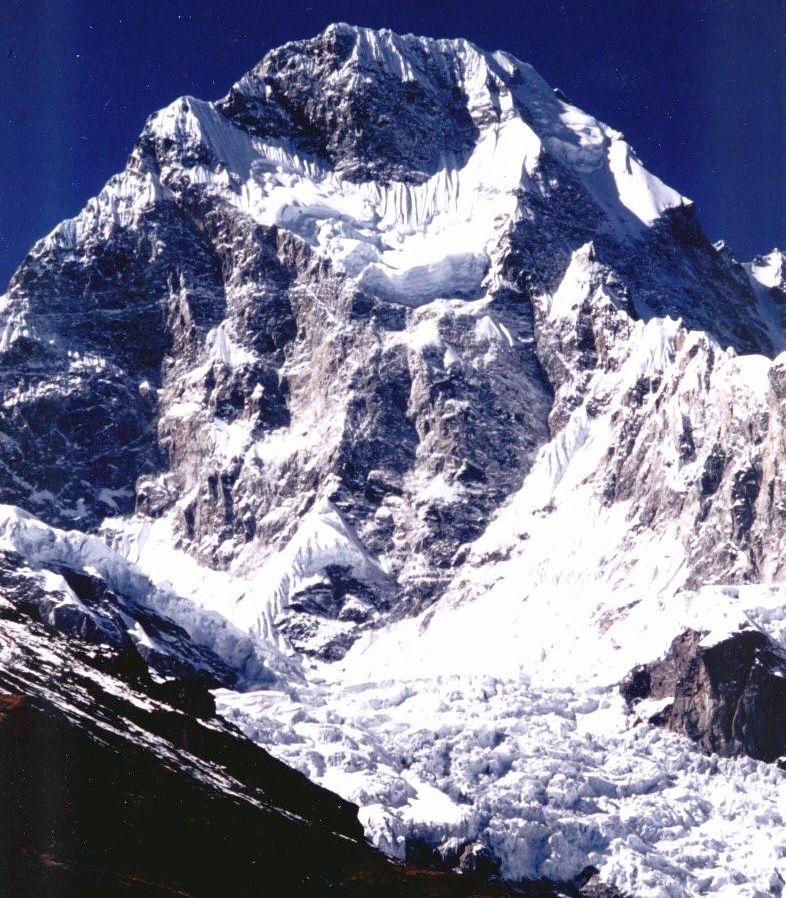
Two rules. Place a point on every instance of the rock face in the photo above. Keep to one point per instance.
(729, 697)
(326, 291)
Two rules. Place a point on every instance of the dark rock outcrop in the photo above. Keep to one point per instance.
(729, 697)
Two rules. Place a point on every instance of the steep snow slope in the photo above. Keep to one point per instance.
(653, 483)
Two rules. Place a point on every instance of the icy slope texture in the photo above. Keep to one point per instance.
(114, 782)
(540, 782)
(303, 328)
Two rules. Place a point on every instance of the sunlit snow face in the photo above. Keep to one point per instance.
(415, 242)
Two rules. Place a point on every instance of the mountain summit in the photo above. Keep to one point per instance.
(394, 367)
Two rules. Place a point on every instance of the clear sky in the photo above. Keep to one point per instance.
(697, 86)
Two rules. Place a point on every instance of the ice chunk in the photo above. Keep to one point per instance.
(454, 276)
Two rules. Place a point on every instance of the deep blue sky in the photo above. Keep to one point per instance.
(697, 86)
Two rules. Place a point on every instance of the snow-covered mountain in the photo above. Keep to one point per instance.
(394, 396)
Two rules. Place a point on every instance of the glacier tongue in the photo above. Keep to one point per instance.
(547, 780)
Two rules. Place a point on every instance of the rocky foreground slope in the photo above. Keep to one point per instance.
(117, 779)
(426, 416)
